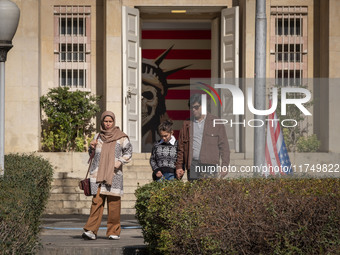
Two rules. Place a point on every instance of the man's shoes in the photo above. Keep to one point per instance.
(89, 235)
(114, 237)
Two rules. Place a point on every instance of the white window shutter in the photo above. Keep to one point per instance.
(230, 68)
(131, 76)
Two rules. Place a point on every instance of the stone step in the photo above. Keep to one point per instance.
(129, 189)
(135, 182)
(241, 162)
(130, 171)
(67, 198)
(128, 211)
(236, 155)
(136, 170)
(128, 168)
(66, 182)
(63, 196)
(139, 162)
(138, 174)
(129, 204)
(128, 197)
(145, 156)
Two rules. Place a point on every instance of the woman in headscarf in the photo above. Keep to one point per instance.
(112, 150)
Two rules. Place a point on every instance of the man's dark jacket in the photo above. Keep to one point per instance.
(214, 144)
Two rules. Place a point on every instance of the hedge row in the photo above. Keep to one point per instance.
(244, 216)
(24, 191)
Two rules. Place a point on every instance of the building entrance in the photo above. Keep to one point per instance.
(175, 47)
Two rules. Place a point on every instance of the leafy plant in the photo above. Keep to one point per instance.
(68, 119)
(241, 216)
(24, 191)
(293, 134)
(308, 144)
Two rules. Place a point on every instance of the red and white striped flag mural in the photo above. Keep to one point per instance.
(190, 48)
(277, 157)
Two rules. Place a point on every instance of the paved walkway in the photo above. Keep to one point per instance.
(61, 234)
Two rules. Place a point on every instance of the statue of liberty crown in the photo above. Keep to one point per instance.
(155, 76)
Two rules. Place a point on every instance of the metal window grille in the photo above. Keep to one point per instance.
(288, 49)
(288, 45)
(72, 46)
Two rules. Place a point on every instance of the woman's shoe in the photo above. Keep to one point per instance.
(114, 237)
(89, 235)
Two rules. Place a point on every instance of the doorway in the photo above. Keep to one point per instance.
(173, 48)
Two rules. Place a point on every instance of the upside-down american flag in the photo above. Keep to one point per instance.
(277, 157)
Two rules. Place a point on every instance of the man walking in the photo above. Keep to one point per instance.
(201, 146)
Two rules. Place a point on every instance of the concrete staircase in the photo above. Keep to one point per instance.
(67, 198)
(137, 173)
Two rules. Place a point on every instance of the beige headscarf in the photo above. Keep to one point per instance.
(107, 156)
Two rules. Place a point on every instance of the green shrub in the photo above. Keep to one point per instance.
(68, 123)
(245, 216)
(24, 191)
(153, 220)
(308, 144)
(295, 136)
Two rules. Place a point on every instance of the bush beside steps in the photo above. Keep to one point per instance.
(241, 216)
(24, 191)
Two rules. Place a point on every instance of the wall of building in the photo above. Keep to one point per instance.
(47, 48)
(113, 58)
(321, 70)
(327, 52)
(22, 83)
(34, 49)
(30, 69)
(334, 75)
(248, 69)
(323, 117)
(30, 64)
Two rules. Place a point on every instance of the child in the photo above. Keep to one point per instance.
(164, 153)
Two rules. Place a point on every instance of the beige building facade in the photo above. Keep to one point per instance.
(119, 48)
(97, 56)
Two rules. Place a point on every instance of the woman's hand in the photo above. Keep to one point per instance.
(159, 174)
(93, 144)
(118, 164)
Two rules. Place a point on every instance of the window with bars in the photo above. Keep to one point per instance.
(288, 45)
(72, 37)
(288, 77)
(72, 26)
(286, 26)
(287, 53)
(71, 52)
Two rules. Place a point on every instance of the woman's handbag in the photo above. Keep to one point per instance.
(85, 184)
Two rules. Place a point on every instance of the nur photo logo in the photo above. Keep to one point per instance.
(238, 104)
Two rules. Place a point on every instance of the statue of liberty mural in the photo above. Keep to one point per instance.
(154, 91)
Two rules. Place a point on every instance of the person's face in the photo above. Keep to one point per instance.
(196, 110)
(108, 122)
(166, 136)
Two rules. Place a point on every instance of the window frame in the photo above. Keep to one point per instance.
(72, 66)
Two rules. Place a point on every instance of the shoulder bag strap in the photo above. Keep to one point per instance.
(91, 158)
